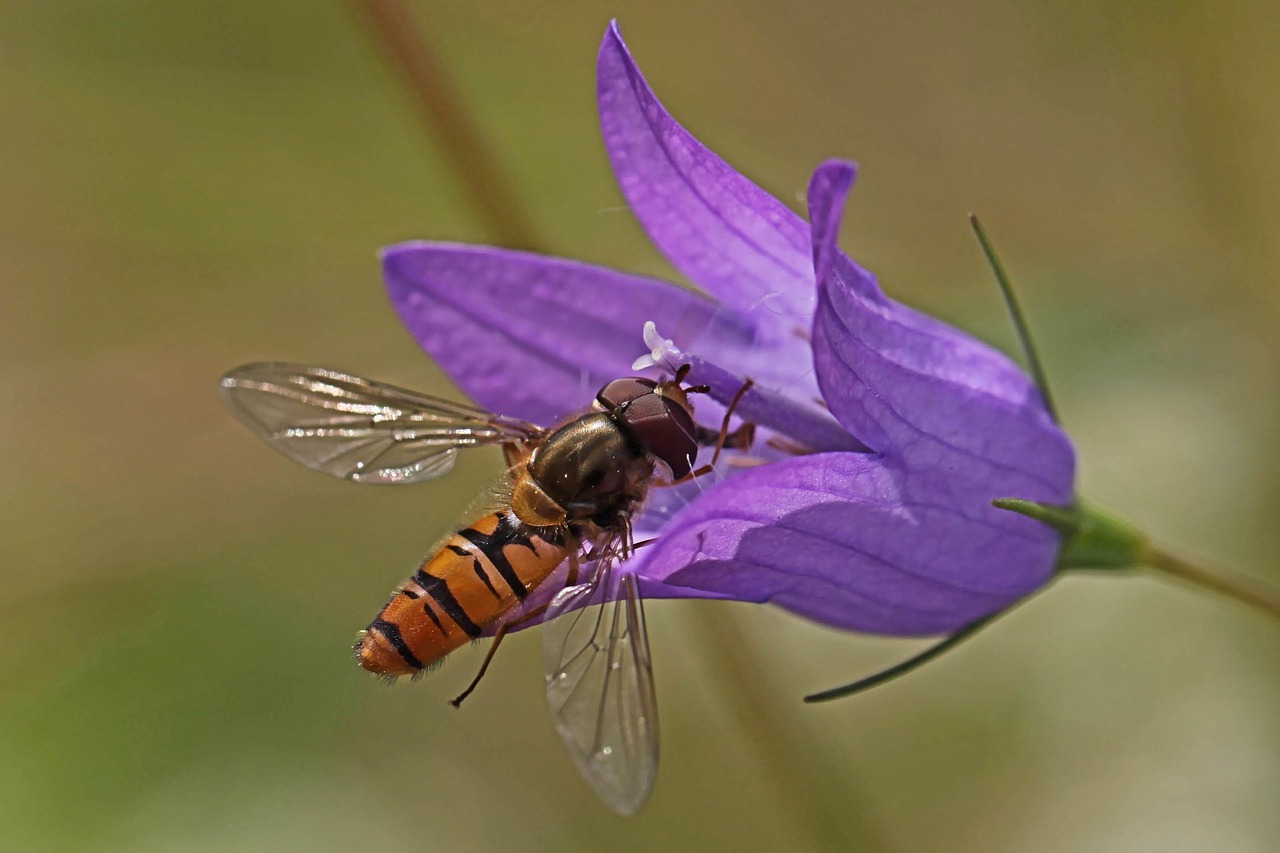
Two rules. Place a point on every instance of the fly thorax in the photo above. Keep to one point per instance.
(591, 468)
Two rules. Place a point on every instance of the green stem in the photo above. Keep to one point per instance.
(441, 110)
(1096, 540)
(1240, 587)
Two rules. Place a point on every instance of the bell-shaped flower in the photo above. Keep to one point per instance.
(886, 433)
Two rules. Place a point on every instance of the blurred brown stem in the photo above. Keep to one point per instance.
(1237, 586)
(441, 110)
(806, 787)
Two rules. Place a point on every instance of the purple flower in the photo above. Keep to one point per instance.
(911, 426)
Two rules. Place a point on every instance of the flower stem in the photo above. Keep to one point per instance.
(1231, 584)
(1094, 540)
(441, 110)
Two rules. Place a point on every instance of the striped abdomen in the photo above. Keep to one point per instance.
(478, 574)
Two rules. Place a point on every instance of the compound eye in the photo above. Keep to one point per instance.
(621, 391)
(665, 429)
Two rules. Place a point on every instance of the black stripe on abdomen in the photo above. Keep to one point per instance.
(484, 576)
(435, 620)
(439, 590)
(508, 532)
(391, 632)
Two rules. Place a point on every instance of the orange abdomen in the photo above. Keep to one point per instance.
(479, 573)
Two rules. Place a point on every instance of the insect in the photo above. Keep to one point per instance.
(569, 498)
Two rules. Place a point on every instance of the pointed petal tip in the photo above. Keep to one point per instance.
(389, 258)
(721, 231)
(828, 187)
(830, 181)
(390, 254)
(837, 168)
(613, 44)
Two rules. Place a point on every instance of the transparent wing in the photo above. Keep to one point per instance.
(358, 429)
(600, 687)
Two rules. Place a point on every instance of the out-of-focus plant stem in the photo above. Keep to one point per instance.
(441, 110)
(1240, 587)
(805, 786)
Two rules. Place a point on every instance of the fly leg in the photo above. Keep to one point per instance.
(571, 578)
(742, 435)
(493, 648)
(740, 438)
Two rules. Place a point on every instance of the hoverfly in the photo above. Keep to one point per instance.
(569, 497)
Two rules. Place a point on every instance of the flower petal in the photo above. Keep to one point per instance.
(718, 228)
(838, 537)
(915, 388)
(536, 337)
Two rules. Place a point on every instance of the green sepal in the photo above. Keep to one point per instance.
(1091, 538)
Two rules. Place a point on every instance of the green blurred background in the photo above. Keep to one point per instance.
(190, 186)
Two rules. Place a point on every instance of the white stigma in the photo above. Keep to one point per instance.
(663, 352)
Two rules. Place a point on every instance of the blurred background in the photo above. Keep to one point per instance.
(191, 186)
